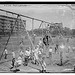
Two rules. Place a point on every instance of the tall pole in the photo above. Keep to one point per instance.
(33, 31)
(41, 24)
(17, 24)
(32, 25)
(42, 30)
(3, 28)
(11, 27)
(61, 58)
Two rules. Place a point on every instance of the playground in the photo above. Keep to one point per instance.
(53, 66)
(61, 61)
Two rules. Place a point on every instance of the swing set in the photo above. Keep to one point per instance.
(19, 16)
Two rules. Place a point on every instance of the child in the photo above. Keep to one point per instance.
(40, 42)
(27, 56)
(56, 48)
(5, 53)
(67, 40)
(36, 55)
(73, 49)
(13, 60)
(21, 53)
(69, 48)
(62, 47)
(18, 62)
(50, 54)
(43, 64)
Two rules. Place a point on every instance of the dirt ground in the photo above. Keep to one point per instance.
(53, 66)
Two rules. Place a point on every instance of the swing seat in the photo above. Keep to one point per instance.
(25, 64)
(11, 68)
(26, 61)
(42, 71)
(15, 70)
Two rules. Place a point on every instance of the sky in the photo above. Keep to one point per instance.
(47, 12)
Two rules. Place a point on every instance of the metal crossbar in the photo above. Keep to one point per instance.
(20, 15)
(23, 16)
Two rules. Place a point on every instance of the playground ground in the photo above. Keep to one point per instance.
(68, 59)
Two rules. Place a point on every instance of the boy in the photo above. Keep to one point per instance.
(56, 48)
(27, 56)
(13, 60)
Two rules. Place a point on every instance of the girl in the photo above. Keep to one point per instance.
(5, 53)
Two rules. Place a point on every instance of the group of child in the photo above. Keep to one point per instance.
(25, 56)
(37, 55)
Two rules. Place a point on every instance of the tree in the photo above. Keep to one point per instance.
(73, 32)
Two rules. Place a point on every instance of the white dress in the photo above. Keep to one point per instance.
(13, 54)
(50, 50)
(40, 42)
(5, 52)
(19, 61)
(27, 53)
(44, 65)
(36, 54)
(62, 46)
(21, 53)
